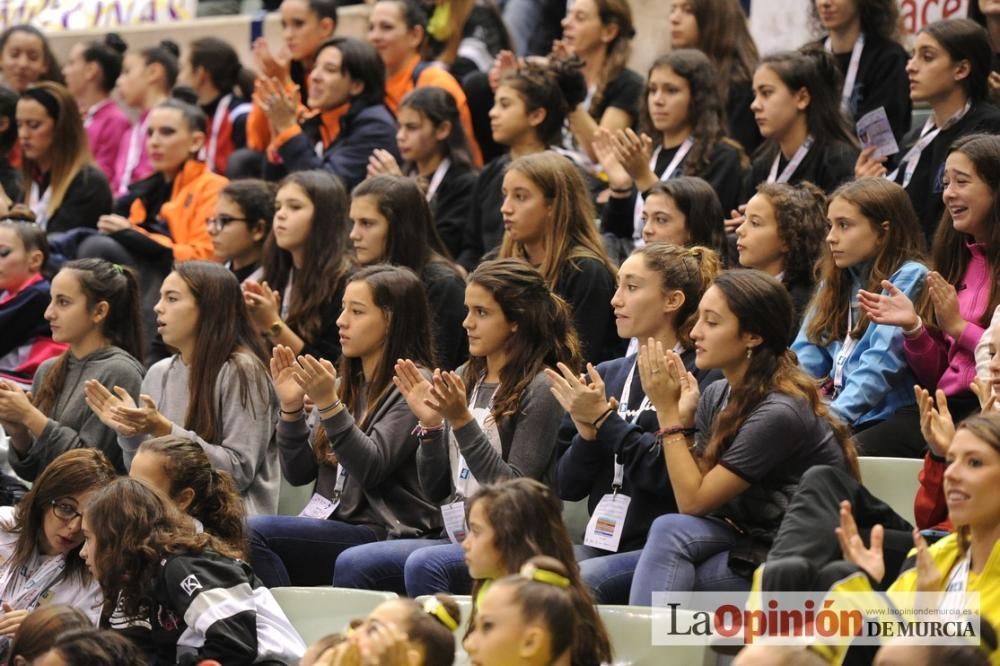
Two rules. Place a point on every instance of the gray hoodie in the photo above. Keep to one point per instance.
(72, 424)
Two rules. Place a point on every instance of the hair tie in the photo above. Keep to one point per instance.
(45, 98)
(436, 609)
(118, 269)
(533, 572)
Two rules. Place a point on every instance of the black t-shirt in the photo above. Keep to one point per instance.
(827, 165)
(587, 286)
(623, 92)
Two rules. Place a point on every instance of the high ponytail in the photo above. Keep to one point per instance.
(116, 285)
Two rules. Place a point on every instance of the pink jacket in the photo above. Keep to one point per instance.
(938, 360)
(134, 149)
(108, 132)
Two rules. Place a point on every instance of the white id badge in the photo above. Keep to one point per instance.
(454, 520)
(605, 528)
(319, 507)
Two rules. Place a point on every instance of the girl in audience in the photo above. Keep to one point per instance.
(963, 295)
(512, 523)
(530, 617)
(164, 217)
(874, 236)
(152, 571)
(211, 67)
(180, 470)
(39, 630)
(492, 420)
(719, 29)
(685, 211)
(683, 117)
(611, 448)
(10, 176)
(306, 266)
(782, 234)
(600, 33)
(361, 455)
(94, 309)
(305, 26)
(40, 541)
(397, 29)
(61, 184)
(94, 646)
(433, 145)
(948, 70)
(349, 119)
(91, 73)
(146, 80)
(862, 36)
(530, 107)
(391, 223)
(213, 390)
(548, 218)
(427, 629)
(751, 437)
(24, 296)
(26, 57)
(241, 224)
(798, 111)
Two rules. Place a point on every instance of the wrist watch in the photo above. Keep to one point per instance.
(274, 330)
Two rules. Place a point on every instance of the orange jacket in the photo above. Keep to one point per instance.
(192, 202)
(434, 75)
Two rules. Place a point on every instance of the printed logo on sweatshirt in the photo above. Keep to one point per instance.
(190, 585)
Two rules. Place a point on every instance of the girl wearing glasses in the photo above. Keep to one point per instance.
(241, 222)
(40, 542)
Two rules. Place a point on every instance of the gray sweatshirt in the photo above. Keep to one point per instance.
(382, 489)
(72, 424)
(246, 448)
(527, 439)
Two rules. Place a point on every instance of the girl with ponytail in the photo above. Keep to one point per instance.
(610, 422)
(549, 222)
(491, 420)
(180, 469)
(736, 452)
(95, 310)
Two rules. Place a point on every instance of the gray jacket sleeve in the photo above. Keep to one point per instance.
(57, 438)
(298, 463)
(434, 467)
(536, 427)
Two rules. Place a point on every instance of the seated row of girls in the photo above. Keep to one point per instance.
(609, 450)
(491, 420)
(214, 389)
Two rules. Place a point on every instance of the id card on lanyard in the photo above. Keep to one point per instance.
(927, 135)
(850, 343)
(607, 523)
(851, 77)
(793, 164)
(667, 174)
(321, 507)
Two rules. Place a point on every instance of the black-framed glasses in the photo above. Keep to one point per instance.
(65, 511)
(218, 222)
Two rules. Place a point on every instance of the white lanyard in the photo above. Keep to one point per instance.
(668, 173)
(927, 135)
(438, 176)
(958, 583)
(852, 70)
(850, 342)
(465, 482)
(134, 153)
(338, 486)
(213, 140)
(39, 202)
(88, 117)
(792, 165)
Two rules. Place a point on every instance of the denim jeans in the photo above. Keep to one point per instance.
(437, 569)
(684, 554)
(292, 550)
(379, 565)
(608, 575)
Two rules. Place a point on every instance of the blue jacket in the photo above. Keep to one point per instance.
(877, 379)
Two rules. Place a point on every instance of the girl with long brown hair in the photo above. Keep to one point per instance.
(549, 222)
(492, 419)
(95, 310)
(736, 452)
(361, 455)
(214, 389)
(40, 541)
(176, 594)
(874, 236)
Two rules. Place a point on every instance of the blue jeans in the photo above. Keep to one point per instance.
(292, 550)
(437, 569)
(379, 565)
(608, 575)
(685, 554)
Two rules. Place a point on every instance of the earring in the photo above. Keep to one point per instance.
(749, 352)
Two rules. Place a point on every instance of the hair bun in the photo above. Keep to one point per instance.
(569, 75)
(171, 47)
(115, 42)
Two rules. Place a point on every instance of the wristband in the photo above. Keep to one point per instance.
(602, 416)
(421, 431)
(910, 332)
(294, 411)
(274, 330)
(336, 403)
(676, 430)
(620, 190)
